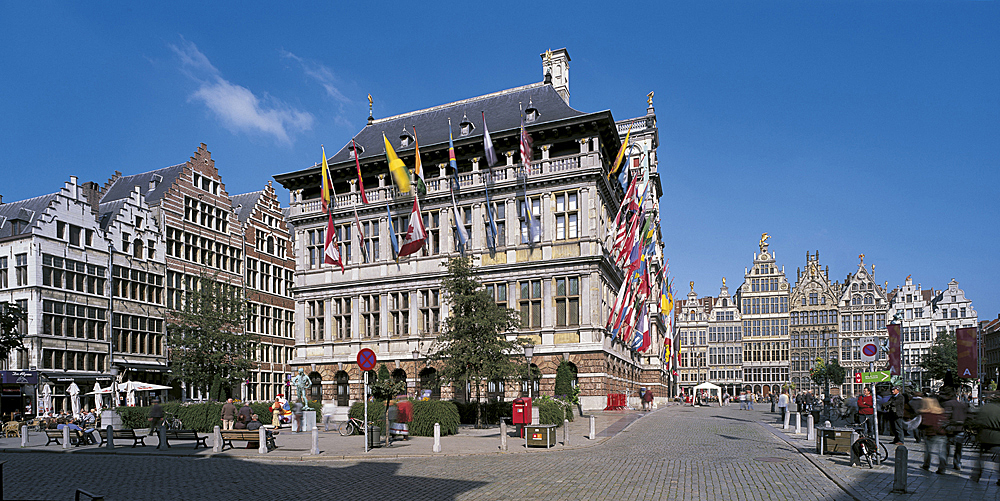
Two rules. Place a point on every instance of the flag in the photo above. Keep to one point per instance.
(416, 235)
(965, 341)
(452, 164)
(396, 168)
(327, 182)
(418, 166)
(331, 254)
(623, 177)
(621, 154)
(361, 236)
(357, 163)
(525, 148)
(895, 347)
(637, 332)
(491, 225)
(491, 153)
(392, 233)
(463, 236)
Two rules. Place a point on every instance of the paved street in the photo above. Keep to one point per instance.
(674, 453)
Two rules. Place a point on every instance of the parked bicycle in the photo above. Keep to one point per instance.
(351, 426)
(873, 451)
(172, 422)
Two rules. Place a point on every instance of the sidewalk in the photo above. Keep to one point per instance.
(332, 446)
(876, 484)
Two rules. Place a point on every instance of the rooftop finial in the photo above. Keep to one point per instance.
(371, 117)
(649, 99)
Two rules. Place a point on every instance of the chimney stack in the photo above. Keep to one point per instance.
(92, 194)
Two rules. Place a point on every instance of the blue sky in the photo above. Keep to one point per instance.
(843, 127)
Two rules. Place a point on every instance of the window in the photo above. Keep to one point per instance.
(857, 323)
(465, 219)
(21, 269)
(371, 315)
(3, 273)
(372, 241)
(567, 216)
(314, 247)
(60, 230)
(399, 312)
(74, 235)
(880, 321)
(954, 313)
(530, 301)
(961, 312)
(315, 317)
(344, 241)
(430, 311)
(340, 308)
(918, 313)
(567, 299)
(869, 322)
(500, 219)
(845, 324)
(535, 233)
(498, 292)
(432, 223)
(813, 298)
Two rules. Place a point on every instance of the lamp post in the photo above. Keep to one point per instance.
(416, 373)
(529, 352)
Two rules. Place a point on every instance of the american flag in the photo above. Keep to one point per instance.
(525, 148)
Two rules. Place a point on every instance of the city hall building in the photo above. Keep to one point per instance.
(551, 262)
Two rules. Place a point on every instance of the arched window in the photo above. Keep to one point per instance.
(870, 286)
(856, 299)
(854, 287)
(954, 313)
(270, 245)
(137, 248)
(316, 390)
(575, 381)
(429, 381)
(869, 299)
(343, 389)
(399, 376)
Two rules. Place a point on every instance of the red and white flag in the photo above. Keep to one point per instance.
(416, 235)
(331, 254)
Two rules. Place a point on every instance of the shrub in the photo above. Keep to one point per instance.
(553, 411)
(493, 412)
(428, 412)
(376, 413)
(564, 380)
(203, 416)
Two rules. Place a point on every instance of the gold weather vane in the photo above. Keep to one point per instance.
(763, 241)
(548, 56)
(649, 98)
(723, 278)
(908, 277)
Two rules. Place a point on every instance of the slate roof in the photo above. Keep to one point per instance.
(108, 211)
(25, 210)
(123, 186)
(502, 115)
(244, 204)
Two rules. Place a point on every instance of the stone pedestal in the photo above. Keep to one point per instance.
(109, 416)
(308, 422)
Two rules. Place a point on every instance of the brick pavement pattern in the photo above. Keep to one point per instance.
(677, 452)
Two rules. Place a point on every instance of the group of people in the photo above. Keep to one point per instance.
(238, 419)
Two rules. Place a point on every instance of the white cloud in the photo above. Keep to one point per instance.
(236, 106)
(321, 74)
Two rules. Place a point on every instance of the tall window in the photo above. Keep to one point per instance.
(21, 269)
(399, 311)
(432, 223)
(344, 241)
(500, 218)
(341, 310)
(315, 317)
(465, 215)
(372, 241)
(845, 323)
(536, 220)
(869, 322)
(3, 273)
(314, 246)
(371, 315)
(530, 302)
(567, 216)
(498, 292)
(430, 311)
(567, 300)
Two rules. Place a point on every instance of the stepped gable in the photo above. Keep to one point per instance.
(28, 211)
(244, 203)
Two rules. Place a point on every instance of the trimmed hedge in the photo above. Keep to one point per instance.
(203, 417)
(493, 412)
(553, 411)
(425, 414)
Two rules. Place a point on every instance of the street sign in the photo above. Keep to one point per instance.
(869, 349)
(366, 359)
(875, 377)
(857, 377)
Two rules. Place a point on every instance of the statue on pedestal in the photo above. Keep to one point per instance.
(302, 383)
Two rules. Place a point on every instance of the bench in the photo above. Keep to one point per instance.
(187, 435)
(124, 435)
(76, 437)
(250, 436)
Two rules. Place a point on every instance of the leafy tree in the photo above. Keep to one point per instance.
(11, 316)
(385, 389)
(208, 348)
(824, 372)
(473, 346)
(943, 358)
(564, 380)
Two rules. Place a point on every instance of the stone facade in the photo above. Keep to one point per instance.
(863, 306)
(763, 300)
(692, 334)
(813, 325)
(725, 343)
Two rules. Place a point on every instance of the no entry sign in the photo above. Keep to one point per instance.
(366, 359)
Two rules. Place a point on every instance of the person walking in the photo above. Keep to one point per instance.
(244, 415)
(866, 409)
(647, 400)
(743, 400)
(228, 414)
(931, 426)
(897, 407)
(988, 422)
(750, 398)
(955, 412)
(783, 404)
(155, 417)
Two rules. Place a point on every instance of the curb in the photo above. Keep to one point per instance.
(851, 491)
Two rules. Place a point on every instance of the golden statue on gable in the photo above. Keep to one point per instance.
(692, 286)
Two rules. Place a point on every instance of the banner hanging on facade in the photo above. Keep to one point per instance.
(895, 350)
(967, 355)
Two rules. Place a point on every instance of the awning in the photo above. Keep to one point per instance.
(69, 377)
(140, 367)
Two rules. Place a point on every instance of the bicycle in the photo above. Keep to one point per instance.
(172, 422)
(867, 447)
(350, 427)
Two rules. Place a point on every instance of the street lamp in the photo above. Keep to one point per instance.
(529, 351)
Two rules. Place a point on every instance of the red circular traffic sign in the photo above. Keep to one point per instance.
(870, 349)
(366, 359)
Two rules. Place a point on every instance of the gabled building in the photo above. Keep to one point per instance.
(913, 307)
(862, 306)
(763, 301)
(692, 335)
(553, 213)
(813, 312)
(725, 343)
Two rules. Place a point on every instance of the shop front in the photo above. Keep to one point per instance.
(17, 390)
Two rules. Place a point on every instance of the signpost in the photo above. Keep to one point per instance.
(869, 349)
(875, 377)
(366, 362)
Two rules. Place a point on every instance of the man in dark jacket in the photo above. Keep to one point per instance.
(244, 415)
(897, 407)
(955, 412)
(988, 422)
(228, 414)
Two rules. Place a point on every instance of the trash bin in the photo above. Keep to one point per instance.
(540, 435)
(374, 437)
(833, 440)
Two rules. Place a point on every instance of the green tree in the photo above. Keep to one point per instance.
(824, 372)
(943, 358)
(473, 346)
(208, 348)
(385, 388)
(564, 380)
(11, 316)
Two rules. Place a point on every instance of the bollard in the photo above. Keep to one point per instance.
(593, 428)
(899, 480)
(565, 431)
(217, 439)
(798, 423)
(810, 428)
(111, 437)
(788, 415)
(315, 442)
(855, 460)
(503, 435)
(24, 436)
(65, 441)
(262, 440)
(437, 437)
(161, 436)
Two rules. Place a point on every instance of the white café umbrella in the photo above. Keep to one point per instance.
(98, 397)
(46, 399)
(140, 386)
(74, 398)
(130, 398)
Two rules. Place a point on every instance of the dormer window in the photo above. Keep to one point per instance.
(531, 113)
(405, 139)
(360, 150)
(466, 126)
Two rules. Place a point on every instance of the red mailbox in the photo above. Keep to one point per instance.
(521, 414)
